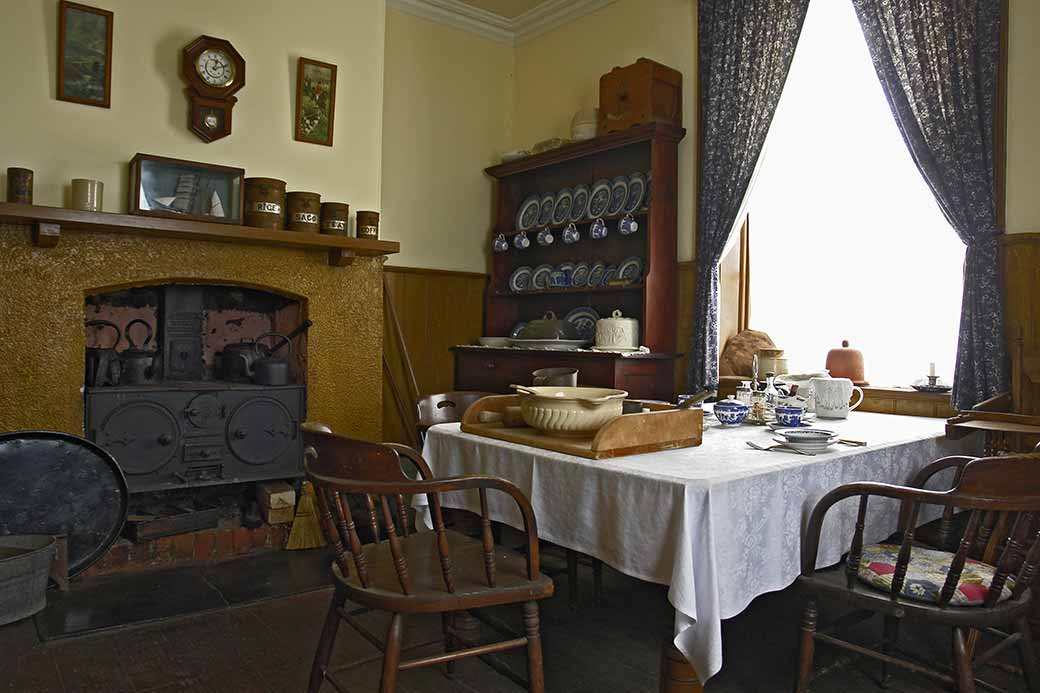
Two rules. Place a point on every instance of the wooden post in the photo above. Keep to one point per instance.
(677, 674)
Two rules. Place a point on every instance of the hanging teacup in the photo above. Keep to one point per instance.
(598, 229)
(570, 233)
(545, 237)
(500, 244)
(521, 241)
(628, 225)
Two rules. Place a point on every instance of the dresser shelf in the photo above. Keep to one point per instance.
(49, 222)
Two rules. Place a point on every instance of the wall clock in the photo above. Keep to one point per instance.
(214, 71)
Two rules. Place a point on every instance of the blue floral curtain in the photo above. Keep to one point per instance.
(938, 62)
(745, 51)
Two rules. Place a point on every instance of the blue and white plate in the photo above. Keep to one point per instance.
(540, 277)
(566, 267)
(584, 320)
(545, 215)
(618, 195)
(631, 269)
(596, 274)
(599, 198)
(562, 210)
(580, 275)
(520, 279)
(527, 215)
(636, 192)
(579, 202)
(609, 275)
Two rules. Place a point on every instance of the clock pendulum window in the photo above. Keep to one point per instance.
(213, 71)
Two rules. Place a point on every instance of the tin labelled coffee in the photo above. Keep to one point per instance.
(303, 212)
(368, 224)
(334, 218)
(265, 203)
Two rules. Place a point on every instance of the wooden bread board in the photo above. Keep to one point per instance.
(664, 427)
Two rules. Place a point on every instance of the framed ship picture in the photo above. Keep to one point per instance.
(315, 101)
(84, 54)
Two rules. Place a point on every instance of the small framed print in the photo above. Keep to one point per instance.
(84, 54)
(315, 101)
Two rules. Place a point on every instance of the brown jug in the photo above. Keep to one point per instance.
(847, 363)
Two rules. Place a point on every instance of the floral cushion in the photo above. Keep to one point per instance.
(926, 573)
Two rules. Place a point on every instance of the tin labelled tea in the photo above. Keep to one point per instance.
(368, 224)
(334, 218)
(303, 212)
(264, 202)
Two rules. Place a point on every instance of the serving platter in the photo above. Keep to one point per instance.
(550, 344)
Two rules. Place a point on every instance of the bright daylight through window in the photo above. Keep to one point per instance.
(847, 241)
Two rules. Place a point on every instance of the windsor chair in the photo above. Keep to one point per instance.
(408, 573)
(913, 583)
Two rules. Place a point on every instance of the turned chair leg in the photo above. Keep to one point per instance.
(807, 647)
(1028, 654)
(535, 677)
(327, 640)
(888, 646)
(962, 663)
(447, 623)
(392, 655)
(572, 578)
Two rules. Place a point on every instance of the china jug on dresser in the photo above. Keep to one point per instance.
(833, 395)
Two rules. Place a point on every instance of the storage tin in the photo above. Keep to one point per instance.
(368, 224)
(303, 211)
(335, 218)
(265, 203)
(25, 563)
(20, 185)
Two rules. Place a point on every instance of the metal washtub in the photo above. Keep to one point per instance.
(25, 562)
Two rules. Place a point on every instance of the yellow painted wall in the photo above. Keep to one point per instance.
(1023, 155)
(447, 115)
(149, 112)
(558, 72)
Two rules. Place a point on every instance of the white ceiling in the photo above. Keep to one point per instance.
(505, 8)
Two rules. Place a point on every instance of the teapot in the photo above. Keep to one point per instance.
(139, 365)
(264, 368)
(103, 366)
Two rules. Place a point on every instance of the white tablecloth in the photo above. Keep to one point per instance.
(720, 523)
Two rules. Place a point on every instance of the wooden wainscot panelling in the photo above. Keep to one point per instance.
(1022, 311)
(906, 402)
(437, 309)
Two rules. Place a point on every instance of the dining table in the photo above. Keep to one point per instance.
(719, 523)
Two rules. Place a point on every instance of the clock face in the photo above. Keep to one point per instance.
(215, 68)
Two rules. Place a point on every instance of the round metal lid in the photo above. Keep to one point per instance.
(57, 483)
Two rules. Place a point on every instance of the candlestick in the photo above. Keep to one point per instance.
(931, 368)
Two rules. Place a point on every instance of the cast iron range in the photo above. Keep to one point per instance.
(188, 430)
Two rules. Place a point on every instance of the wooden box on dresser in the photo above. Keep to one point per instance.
(653, 301)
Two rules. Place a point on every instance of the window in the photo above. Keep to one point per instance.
(847, 241)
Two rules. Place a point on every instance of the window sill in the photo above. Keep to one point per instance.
(907, 401)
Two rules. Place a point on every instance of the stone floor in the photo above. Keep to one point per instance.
(266, 646)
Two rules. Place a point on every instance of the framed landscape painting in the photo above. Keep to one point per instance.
(315, 101)
(84, 54)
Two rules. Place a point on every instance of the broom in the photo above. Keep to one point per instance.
(306, 532)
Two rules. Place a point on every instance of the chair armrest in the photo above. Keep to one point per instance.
(413, 456)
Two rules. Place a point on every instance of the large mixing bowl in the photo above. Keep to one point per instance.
(569, 411)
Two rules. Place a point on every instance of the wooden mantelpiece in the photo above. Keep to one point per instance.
(49, 222)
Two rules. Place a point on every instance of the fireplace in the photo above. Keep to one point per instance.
(187, 415)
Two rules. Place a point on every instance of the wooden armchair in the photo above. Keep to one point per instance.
(444, 407)
(428, 572)
(913, 583)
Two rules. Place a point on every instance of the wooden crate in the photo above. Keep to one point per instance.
(663, 427)
(640, 93)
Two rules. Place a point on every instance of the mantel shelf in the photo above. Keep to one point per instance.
(48, 222)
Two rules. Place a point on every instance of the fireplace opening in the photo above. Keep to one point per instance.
(198, 391)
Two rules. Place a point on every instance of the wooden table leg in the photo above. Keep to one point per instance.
(677, 674)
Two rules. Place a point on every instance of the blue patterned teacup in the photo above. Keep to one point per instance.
(730, 412)
(789, 416)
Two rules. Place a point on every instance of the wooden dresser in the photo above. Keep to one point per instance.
(653, 300)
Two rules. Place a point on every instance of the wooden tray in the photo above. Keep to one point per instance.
(663, 428)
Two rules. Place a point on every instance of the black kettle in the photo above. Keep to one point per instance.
(139, 365)
(264, 368)
(103, 366)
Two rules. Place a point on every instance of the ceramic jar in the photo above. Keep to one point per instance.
(87, 194)
(730, 412)
(833, 395)
(617, 333)
(771, 360)
(583, 124)
(847, 363)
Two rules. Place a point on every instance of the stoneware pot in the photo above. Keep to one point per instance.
(730, 412)
(617, 333)
(574, 412)
(833, 395)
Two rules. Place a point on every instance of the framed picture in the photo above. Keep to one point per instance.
(315, 101)
(179, 189)
(84, 54)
